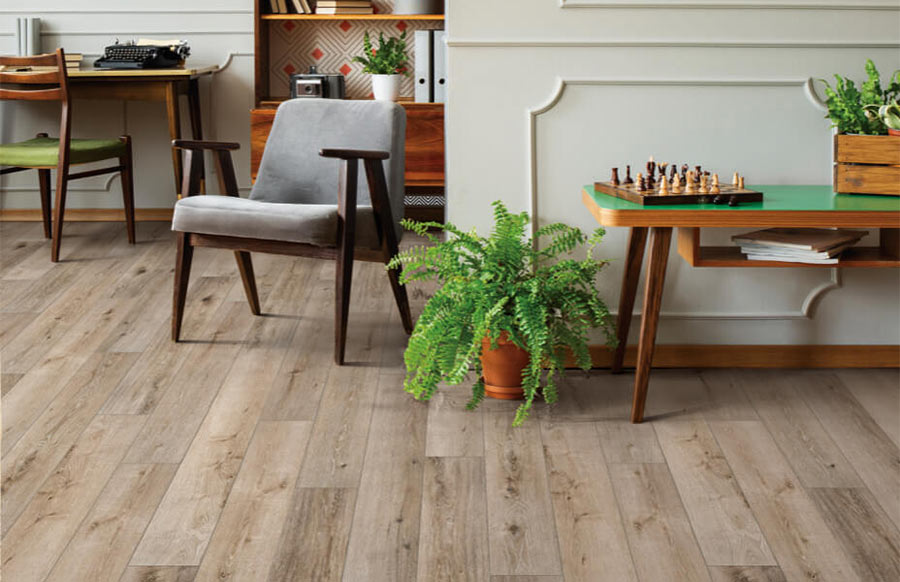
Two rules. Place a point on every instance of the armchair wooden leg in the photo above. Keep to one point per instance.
(185, 253)
(245, 266)
(128, 188)
(44, 183)
(342, 286)
(62, 182)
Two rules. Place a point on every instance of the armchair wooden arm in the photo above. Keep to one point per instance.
(346, 154)
(194, 170)
(187, 144)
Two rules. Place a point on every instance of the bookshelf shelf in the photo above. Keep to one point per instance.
(320, 17)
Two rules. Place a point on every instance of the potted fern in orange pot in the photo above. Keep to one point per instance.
(508, 310)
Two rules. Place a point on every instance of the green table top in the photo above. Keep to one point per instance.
(775, 198)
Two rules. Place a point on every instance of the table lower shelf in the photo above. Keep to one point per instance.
(884, 256)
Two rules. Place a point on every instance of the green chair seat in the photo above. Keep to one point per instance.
(44, 151)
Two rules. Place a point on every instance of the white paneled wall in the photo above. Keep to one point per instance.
(546, 96)
(219, 32)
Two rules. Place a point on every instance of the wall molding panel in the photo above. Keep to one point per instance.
(713, 44)
(888, 5)
(810, 301)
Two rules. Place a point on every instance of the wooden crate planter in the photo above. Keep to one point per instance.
(867, 164)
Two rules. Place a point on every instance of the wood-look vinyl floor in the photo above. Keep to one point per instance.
(244, 454)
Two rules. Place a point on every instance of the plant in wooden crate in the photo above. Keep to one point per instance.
(504, 307)
(386, 64)
(867, 161)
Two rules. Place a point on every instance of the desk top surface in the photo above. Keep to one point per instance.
(89, 72)
(781, 206)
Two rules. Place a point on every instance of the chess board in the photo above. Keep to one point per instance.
(652, 198)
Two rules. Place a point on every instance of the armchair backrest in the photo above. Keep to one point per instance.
(291, 170)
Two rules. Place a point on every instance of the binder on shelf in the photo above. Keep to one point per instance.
(424, 68)
(440, 66)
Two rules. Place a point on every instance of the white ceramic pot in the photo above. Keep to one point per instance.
(418, 6)
(386, 87)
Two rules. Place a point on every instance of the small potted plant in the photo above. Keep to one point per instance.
(505, 308)
(386, 64)
(867, 159)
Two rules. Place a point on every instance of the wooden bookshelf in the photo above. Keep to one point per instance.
(433, 17)
(425, 121)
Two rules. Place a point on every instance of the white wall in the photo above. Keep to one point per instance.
(546, 96)
(219, 32)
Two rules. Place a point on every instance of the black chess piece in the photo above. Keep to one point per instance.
(733, 201)
(615, 177)
(697, 172)
(628, 179)
(673, 172)
(640, 185)
(651, 169)
(718, 200)
(684, 171)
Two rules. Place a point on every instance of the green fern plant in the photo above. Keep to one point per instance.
(389, 58)
(855, 110)
(545, 299)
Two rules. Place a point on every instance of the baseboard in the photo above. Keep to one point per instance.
(89, 215)
(759, 356)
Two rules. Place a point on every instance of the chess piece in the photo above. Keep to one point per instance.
(651, 168)
(697, 171)
(718, 200)
(639, 184)
(684, 172)
(676, 182)
(673, 172)
(662, 170)
(663, 186)
(628, 180)
(689, 184)
(733, 201)
(714, 189)
(615, 177)
(704, 187)
(734, 180)
(741, 182)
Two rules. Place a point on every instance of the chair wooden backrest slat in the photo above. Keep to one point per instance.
(32, 94)
(30, 77)
(38, 78)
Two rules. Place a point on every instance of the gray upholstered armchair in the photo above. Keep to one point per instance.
(307, 200)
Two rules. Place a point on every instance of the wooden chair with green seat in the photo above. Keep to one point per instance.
(44, 78)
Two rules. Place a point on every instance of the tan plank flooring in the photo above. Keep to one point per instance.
(244, 454)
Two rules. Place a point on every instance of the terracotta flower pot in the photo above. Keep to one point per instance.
(893, 131)
(502, 368)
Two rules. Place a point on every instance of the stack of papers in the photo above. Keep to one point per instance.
(817, 246)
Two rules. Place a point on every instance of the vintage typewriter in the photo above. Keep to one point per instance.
(144, 54)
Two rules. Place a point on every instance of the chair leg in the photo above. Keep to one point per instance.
(245, 266)
(62, 183)
(183, 257)
(402, 300)
(128, 188)
(342, 285)
(44, 183)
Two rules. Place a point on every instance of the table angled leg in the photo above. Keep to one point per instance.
(196, 121)
(637, 241)
(660, 239)
(174, 115)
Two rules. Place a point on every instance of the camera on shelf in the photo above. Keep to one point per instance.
(317, 85)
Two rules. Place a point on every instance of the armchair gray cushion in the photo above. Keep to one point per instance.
(295, 195)
(314, 224)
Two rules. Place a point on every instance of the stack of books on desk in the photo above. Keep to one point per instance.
(73, 61)
(344, 7)
(817, 246)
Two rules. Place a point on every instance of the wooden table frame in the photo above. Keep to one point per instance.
(657, 224)
(162, 85)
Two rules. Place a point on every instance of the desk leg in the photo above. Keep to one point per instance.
(174, 115)
(196, 123)
(660, 238)
(637, 241)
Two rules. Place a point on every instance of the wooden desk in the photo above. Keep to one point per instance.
(148, 85)
(784, 206)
